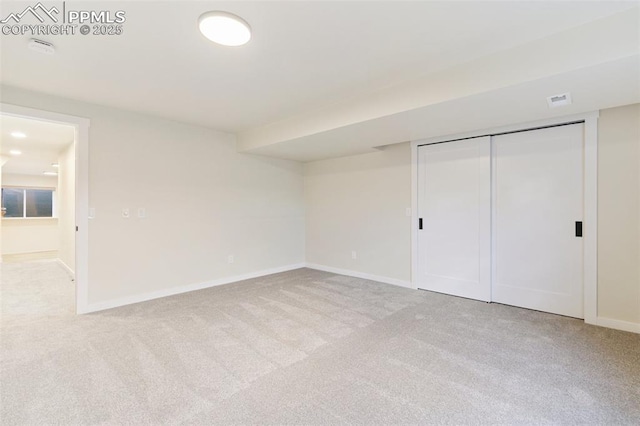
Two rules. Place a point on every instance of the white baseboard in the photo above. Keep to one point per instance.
(109, 304)
(633, 327)
(600, 321)
(356, 274)
(30, 256)
(70, 271)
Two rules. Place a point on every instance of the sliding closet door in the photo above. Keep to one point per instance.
(538, 198)
(454, 190)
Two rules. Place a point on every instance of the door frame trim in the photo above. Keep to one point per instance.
(81, 142)
(590, 206)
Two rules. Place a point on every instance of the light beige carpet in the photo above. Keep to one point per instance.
(304, 347)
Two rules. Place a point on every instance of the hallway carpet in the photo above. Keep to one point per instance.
(304, 347)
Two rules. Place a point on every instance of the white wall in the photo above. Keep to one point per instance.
(2, 161)
(66, 206)
(32, 181)
(203, 201)
(32, 235)
(619, 213)
(359, 204)
(23, 236)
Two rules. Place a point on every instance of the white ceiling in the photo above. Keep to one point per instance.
(516, 104)
(304, 57)
(42, 146)
(598, 63)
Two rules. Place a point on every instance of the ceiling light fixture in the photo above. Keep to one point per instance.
(18, 135)
(224, 28)
(50, 173)
(56, 165)
(15, 152)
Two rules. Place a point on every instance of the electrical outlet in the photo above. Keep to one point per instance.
(230, 259)
(142, 213)
(125, 213)
(354, 255)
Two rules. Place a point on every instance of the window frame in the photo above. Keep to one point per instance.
(24, 189)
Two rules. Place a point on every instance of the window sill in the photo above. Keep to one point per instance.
(28, 218)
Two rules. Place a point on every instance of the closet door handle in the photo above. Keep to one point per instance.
(579, 229)
(420, 223)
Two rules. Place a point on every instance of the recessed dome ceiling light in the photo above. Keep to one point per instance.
(15, 152)
(18, 135)
(224, 28)
(50, 173)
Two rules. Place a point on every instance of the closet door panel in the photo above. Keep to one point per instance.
(454, 205)
(538, 198)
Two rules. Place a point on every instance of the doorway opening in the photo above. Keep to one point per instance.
(43, 237)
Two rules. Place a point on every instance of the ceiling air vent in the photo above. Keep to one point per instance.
(41, 46)
(559, 100)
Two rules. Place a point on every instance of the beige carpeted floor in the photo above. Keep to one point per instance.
(304, 347)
